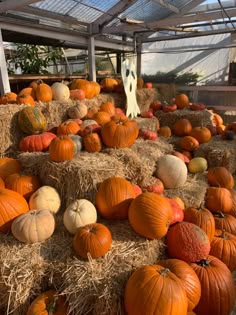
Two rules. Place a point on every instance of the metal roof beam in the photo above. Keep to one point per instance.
(14, 4)
(167, 5)
(190, 5)
(214, 6)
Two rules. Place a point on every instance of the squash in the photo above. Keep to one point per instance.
(26, 99)
(165, 132)
(79, 213)
(36, 143)
(225, 222)
(31, 120)
(60, 91)
(77, 94)
(27, 91)
(34, 226)
(92, 142)
(108, 84)
(8, 98)
(78, 143)
(108, 107)
(102, 117)
(197, 165)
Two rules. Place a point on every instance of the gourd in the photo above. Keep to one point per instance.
(197, 165)
(36, 143)
(31, 120)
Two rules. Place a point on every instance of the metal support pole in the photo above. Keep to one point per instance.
(139, 59)
(91, 59)
(4, 79)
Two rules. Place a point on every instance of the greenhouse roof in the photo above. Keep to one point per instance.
(115, 24)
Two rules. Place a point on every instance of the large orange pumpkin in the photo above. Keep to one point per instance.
(43, 92)
(202, 134)
(225, 222)
(108, 84)
(84, 85)
(9, 166)
(218, 199)
(61, 149)
(181, 101)
(219, 176)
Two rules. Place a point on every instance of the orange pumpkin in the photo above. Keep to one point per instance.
(2, 183)
(43, 92)
(108, 107)
(101, 117)
(219, 176)
(25, 99)
(181, 101)
(96, 87)
(217, 120)
(233, 196)
(90, 113)
(8, 98)
(9, 166)
(61, 149)
(68, 128)
(84, 85)
(189, 143)
(92, 142)
(202, 134)
(218, 199)
(108, 84)
(225, 222)
(28, 91)
(77, 94)
(182, 127)
(165, 132)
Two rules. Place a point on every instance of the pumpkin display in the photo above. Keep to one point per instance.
(223, 246)
(164, 132)
(33, 226)
(68, 128)
(26, 99)
(178, 214)
(108, 84)
(25, 185)
(45, 198)
(94, 239)
(31, 120)
(78, 143)
(77, 94)
(79, 111)
(150, 215)
(43, 92)
(108, 107)
(101, 117)
(225, 222)
(27, 91)
(92, 142)
(8, 98)
(219, 176)
(202, 134)
(188, 242)
(181, 100)
(197, 165)
(61, 149)
(182, 127)
(36, 143)
(218, 199)
(119, 134)
(60, 91)
(12, 204)
(188, 143)
(9, 166)
(188, 277)
(172, 171)
(113, 198)
(155, 290)
(48, 303)
(179, 201)
(79, 213)
(216, 284)
(203, 218)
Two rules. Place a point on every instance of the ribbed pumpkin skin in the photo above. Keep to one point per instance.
(218, 199)
(114, 197)
(188, 242)
(9, 166)
(68, 128)
(203, 218)
(36, 143)
(94, 239)
(189, 279)
(223, 246)
(233, 195)
(225, 222)
(43, 92)
(102, 118)
(61, 149)
(150, 215)
(31, 120)
(108, 84)
(2, 183)
(41, 304)
(92, 143)
(154, 290)
(188, 143)
(109, 108)
(12, 204)
(202, 134)
(220, 177)
(218, 293)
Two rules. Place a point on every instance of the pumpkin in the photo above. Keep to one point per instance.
(31, 120)
(182, 127)
(203, 218)
(181, 101)
(223, 246)
(179, 201)
(84, 85)
(2, 184)
(27, 91)
(233, 196)
(25, 185)
(188, 277)
(101, 117)
(202, 134)
(108, 84)
(150, 215)
(119, 134)
(79, 213)
(87, 122)
(188, 242)
(12, 204)
(96, 88)
(92, 142)
(89, 129)
(212, 130)
(147, 114)
(94, 239)
(157, 187)
(147, 134)
(219, 176)
(78, 143)
(78, 111)
(48, 302)
(77, 94)
(218, 293)
(172, 171)
(217, 119)
(90, 113)
(113, 198)
(36, 143)
(156, 105)
(60, 91)
(178, 214)
(188, 143)
(225, 222)
(197, 106)
(218, 199)
(25, 99)
(34, 226)
(137, 190)
(43, 92)
(108, 107)
(45, 198)
(187, 154)
(9, 166)
(164, 132)
(61, 149)
(230, 127)
(68, 128)
(183, 157)
(197, 165)
(155, 290)
(168, 108)
(8, 98)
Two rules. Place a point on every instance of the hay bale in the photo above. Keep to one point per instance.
(167, 91)
(218, 152)
(148, 123)
(228, 116)
(145, 97)
(197, 118)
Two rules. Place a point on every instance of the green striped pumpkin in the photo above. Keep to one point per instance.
(31, 120)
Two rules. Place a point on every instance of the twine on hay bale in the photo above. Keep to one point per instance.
(197, 118)
(192, 192)
(218, 152)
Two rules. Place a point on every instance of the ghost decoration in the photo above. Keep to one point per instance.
(129, 77)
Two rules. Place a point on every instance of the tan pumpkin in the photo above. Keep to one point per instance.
(197, 165)
(45, 198)
(79, 213)
(60, 91)
(78, 111)
(182, 127)
(34, 226)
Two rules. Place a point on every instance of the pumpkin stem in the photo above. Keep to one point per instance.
(203, 263)
(219, 214)
(52, 306)
(223, 235)
(164, 272)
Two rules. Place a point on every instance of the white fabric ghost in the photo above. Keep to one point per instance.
(129, 77)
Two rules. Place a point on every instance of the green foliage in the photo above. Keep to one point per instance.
(34, 59)
(188, 78)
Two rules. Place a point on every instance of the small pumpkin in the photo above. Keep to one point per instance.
(36, 143)
(202, 134)
(137, 190)
(61, 149)
(68, 128)
(188, 143)
(8, 98)
(217, 119)
(9, 166)
(101, 117)
(181, 100)
(77, 94)
(43, 92)
(218, 199)
(164, 132)
(26, 99)
(31, 120)
(108, 84)
(147, 134)
(157, 186)
(108, 107)
(178, 213)
(94, 239)
(27, 91)
(182, 127)
(60, 91)
(219, 176)
(79, 111)
(78, 143)
(197, 165)
(92, 142)
(90, 113)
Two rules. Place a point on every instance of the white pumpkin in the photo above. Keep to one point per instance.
(33, 226)
(79, 213)
(78, 142)
(45, 198)
(60, 91)
(197, 165)
(172, 171)
(78, 111)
